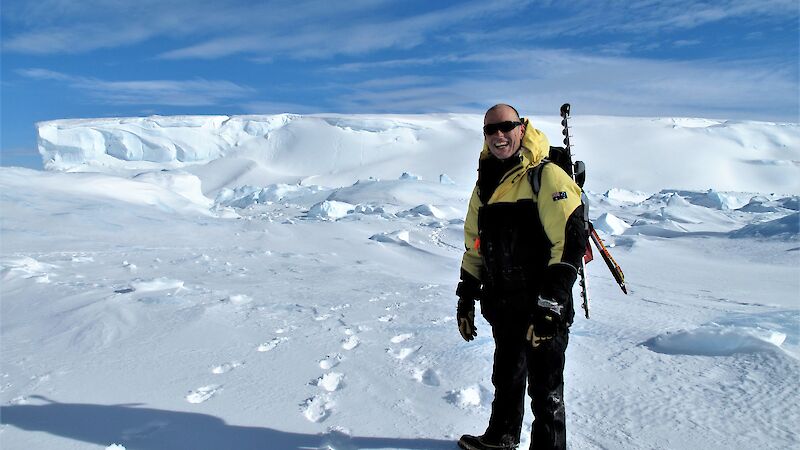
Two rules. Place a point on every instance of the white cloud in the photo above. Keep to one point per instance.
(195, 92)
(44, 74)
(686, 42)
(302, 29)
(389, 64)
(276, 107)
(544, 79)
(326, 36)
(395, 82)
(653, 16)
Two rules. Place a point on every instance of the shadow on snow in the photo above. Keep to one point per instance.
(153, 429)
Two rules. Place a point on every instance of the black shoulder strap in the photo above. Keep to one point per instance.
(535, 176)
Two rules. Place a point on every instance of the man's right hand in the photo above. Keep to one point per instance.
(465, 316)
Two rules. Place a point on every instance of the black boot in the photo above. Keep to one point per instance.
(468, 442)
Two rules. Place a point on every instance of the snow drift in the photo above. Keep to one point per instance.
(335, 150)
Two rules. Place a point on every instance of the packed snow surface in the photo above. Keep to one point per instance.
(287, 282)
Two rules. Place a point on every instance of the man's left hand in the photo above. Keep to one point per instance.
(547, 320)
(534, 339)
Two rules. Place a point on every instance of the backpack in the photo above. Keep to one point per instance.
(559, 156)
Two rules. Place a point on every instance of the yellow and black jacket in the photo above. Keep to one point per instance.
(520, 245)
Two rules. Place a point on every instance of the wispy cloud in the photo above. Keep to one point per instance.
(45, 74)
(208, 29)
(75, 39)
(277, 107)
(652, 16)
(65, 26)
(396, 82)
(295, 29)
(318, 36)
(686, 42)
(195, 92)
(615, 85)
(391, 64)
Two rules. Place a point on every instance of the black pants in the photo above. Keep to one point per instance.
(515, 361)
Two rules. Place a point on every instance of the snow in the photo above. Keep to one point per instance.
(630, 153)
(203, 394)
(330, 381)
(395, 237)
(474, 396)
(288, 282)
(330, 210)
(715, 340)
(610, 224)
(156, 284)
(622, 195)
(788, 227)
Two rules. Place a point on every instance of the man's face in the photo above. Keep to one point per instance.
(503, 144)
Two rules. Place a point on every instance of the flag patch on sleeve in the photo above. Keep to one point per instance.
(559, 196)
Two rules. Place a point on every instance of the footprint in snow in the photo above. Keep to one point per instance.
(469, 397)
(239, 299)
(351, 342)
(267, 346)
(203, 394)
(387, 318)
(402, 337)
(330, 361)
(395, 305)
(428, 377)
(317, 408)
(225, 368)
(330, 381)
(403, 353)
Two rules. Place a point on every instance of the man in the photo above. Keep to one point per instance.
(521, 260)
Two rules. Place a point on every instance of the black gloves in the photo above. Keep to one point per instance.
(546, 321)
(469, 289)
(552, 313)
(465, 315)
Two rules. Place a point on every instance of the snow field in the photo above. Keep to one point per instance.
(414, 365)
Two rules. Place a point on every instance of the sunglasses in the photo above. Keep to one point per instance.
(505, 127)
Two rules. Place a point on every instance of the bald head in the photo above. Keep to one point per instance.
(501, 107)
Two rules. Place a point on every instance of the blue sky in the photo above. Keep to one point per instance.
(727, 59)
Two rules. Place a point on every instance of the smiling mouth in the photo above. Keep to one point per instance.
(500, 145)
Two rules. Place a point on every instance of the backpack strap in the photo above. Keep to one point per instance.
(535, 176)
